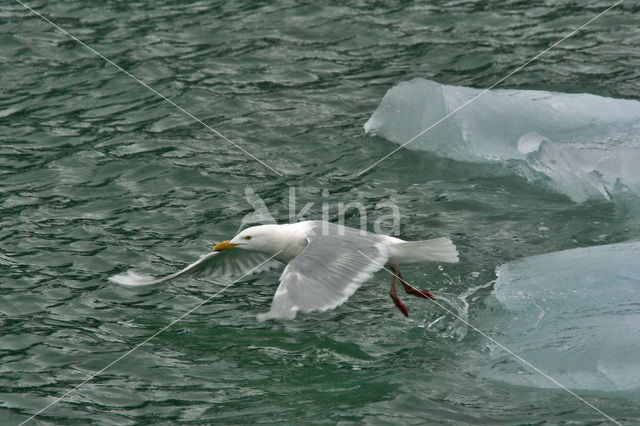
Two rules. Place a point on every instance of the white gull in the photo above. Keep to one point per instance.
(326, 263)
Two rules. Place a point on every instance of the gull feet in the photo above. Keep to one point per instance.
(401, 306)
(408, 288)
(394, 296)
(425, 294)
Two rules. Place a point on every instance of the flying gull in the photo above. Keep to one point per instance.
(325, 263)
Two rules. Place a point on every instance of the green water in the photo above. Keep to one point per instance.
(98, 175)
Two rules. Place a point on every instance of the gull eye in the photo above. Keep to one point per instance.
(248, 237)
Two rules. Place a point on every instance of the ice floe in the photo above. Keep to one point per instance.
(588, 146)
(574, 314)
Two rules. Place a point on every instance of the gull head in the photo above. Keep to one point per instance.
(268, 239)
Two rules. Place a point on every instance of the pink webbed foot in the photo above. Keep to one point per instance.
(409, 289)
(394, 295)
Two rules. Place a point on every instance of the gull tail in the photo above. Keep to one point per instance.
(436, 250)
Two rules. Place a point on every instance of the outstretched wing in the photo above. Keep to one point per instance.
(335, 263)
(223, 263)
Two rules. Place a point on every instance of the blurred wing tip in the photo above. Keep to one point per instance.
(132, 279)
(269, 315)
(278, 314)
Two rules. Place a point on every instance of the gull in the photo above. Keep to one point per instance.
(325, 263)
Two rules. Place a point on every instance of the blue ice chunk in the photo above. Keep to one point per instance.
(587, 145)
(574, 314)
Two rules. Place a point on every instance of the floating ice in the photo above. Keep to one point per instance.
(588, 145)
(573, 314)
(589, 170)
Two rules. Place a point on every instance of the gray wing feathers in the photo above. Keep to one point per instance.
(224, 263)
(231, 263)
(332, 267)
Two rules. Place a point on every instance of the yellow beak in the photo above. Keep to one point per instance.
(223, 246)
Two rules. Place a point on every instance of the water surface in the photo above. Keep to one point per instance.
(98, 175)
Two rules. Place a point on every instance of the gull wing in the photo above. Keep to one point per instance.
(223, 263)
(335, 263)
